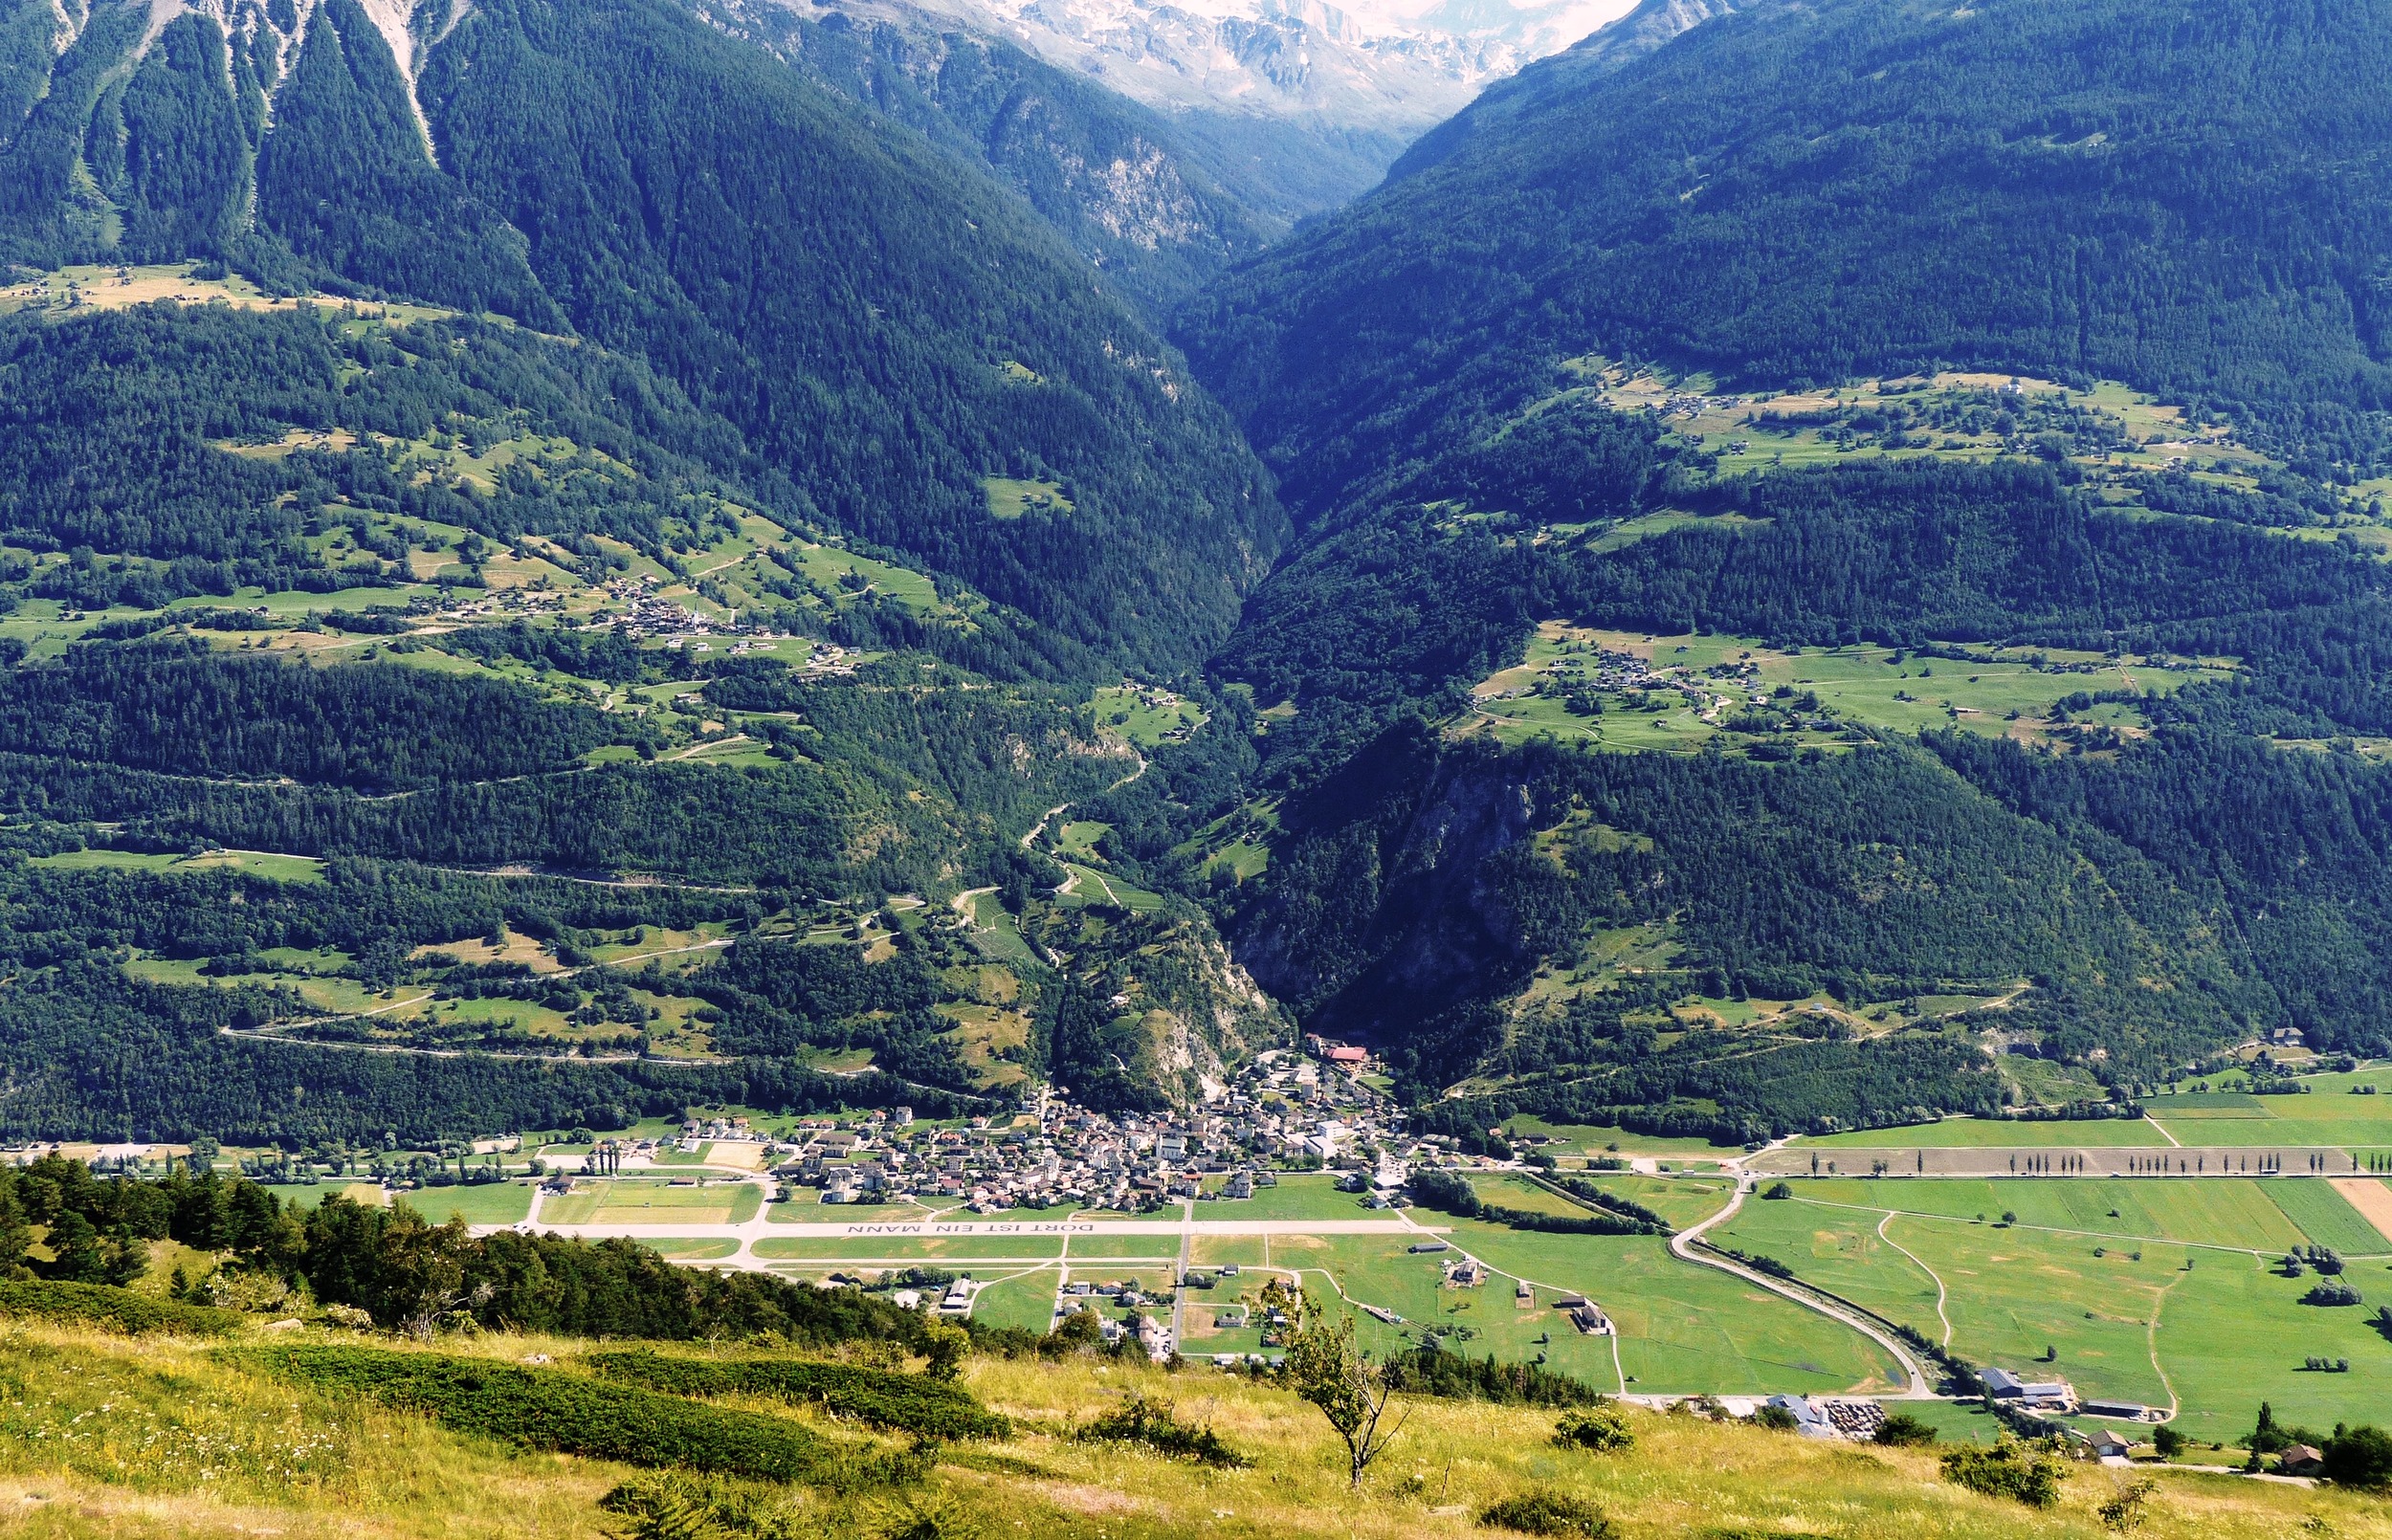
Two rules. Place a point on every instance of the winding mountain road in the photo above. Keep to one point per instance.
(1683, 1246)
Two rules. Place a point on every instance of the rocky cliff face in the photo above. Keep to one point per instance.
(1403, 891)
(1294, 107)
(1149, 1009)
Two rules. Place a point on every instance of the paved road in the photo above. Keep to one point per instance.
(1179, 1233)
(1683, 1245)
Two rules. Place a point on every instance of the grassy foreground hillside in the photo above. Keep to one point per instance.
(163, 1436)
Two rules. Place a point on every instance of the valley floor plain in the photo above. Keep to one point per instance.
(2168, 1292)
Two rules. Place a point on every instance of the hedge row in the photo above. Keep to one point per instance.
(551, 1409)
(114, 1310)
(908, 1402)
(1450, 1194)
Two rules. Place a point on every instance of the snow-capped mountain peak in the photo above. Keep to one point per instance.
(1385, 65)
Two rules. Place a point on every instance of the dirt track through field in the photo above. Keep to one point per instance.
(2371, 1197)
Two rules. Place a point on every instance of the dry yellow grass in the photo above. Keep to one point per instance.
(102, 1437)
(518, 948)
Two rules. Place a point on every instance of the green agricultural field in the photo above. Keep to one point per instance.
(1024, 1301)
(504, 1013)
(1370, 1269)
(487, 1203)
(1091, 886)
(1301, 1196)
(2329, 1118)
(307, 1194)
(1203, 1337)
(1842, 1251)
(250, 863)
(1142, 1246)
(845, 572)
(1993, 1134)
(652, 1202)
(1959, 1422)
(995, 933)
(806, 1207)
(1009, 499)
(2142, 1321)
(1683, 1327)
(336, 996)
(1216, 1250)
(1870, 686)
(1077, 838)
(1680, 1200)
(2235, 1332)
(1145, 716)
(1506, 1191)
(2010, 1294)
(2238, 1214)
(2327, 1218)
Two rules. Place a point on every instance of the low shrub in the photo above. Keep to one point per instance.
(1545, 1512)
(667, 1505)
(113, 1309)
(1601, 1431)
(1156, 1424)
(552, 1409)
(885, 1398)
(1904, 1431)
(2008, 1469)
(1755, 1262)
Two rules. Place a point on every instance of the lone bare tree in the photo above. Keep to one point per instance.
(1329, 1371)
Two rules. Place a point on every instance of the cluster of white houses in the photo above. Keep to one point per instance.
(1285, 1108)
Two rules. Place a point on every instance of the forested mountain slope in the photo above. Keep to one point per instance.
(1833, 534)
(1147, 209)
(2188, 197)
(884, 326)
(543, 547)
(1651, 26)
(559, 561)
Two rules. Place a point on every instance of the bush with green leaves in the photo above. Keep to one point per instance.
(113, 1309)
(1547, 1511)
(669, 1506)
(2008, 1469)
(2360, 1457)
(1155, 1422)
(1904, 1431)
(909, 1403)
(552, 1409)
(1600, 1431)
